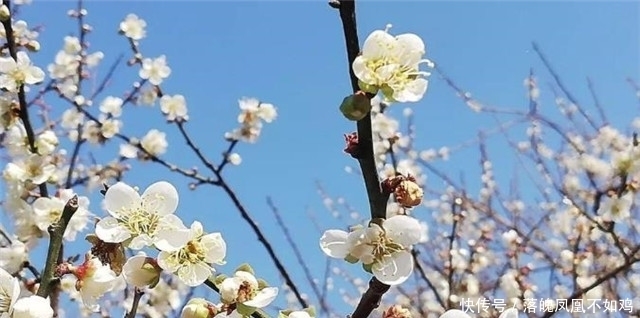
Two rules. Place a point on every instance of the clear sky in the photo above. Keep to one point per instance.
(291, 54)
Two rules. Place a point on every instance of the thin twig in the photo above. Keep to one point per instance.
(137, 294)
(298, 255)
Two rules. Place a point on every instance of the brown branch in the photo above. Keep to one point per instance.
(56, 233)
(377, 199)
(136, 301)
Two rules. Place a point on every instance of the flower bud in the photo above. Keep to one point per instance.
(198, 308)
(5, 14)
(408, 193)
(396, 311)
(356, 106)
(33, 46)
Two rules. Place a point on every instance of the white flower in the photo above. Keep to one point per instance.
(391, 64)
(112, 105)
(155, 70)
(133, 27)
(94, 280)
(13, 74)
(155, 142)
(46, 142)
(384, 248)
(9, 292)
(13, 256)
(141, 271)
(234, 159)
(32, 307)
(616, 208)
(192, 262)
(34, 168)
(456, 313)
(145, 220)
(197, 308)
(299, 314)
(48, 210)
(243, 288)
(128, 151)
(175, 107)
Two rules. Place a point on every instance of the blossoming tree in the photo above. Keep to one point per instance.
(139, 256)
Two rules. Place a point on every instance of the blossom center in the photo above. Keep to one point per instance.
(139, 220)
(246, 292)
(383, 247)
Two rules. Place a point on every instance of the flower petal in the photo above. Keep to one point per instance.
(334, 243)
(161, 197)
(264, 297)
(141, 241)
(110, 230)
(172, 240)
(216, 248)
(509, 313)
(403, 230)
(394, 270)
(455, 313)
(194, 274)
(165, 262)
(410, 49)
(378, 44)
(411, 92)
(120, 196)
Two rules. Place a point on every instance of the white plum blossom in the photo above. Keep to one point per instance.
(243, 288)
(34, 168)
(391, 64)
(192, 261)
(616, 208)
(456, 313)
(154, 142)
(385, 248)
(141, 271)
(9, 293)
(128, 151)
(174, 107)
(155, 70)
(48, 210)
(198, 308)
(94, 280)
(145, 219)
(252, 113)
(15, 73)
(133, 27)
(112, 106)
(32, 307)
(234, 159)
(46, 142)
(13, 256)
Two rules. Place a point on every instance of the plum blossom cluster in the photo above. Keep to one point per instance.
(252, 115)
(47, 151)
(137, 221)
(13, 304)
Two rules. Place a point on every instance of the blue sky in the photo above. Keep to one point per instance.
(292, 54)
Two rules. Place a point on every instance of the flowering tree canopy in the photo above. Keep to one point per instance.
(134, 252)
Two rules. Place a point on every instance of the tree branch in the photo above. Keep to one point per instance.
(56, 233)
(377, 199)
